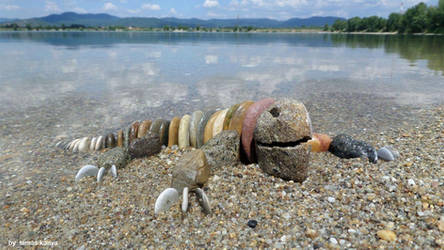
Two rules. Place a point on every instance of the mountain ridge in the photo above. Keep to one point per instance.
(103, 19)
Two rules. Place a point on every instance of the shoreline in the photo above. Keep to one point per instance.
(295, 31)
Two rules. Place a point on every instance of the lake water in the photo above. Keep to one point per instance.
(129, 70)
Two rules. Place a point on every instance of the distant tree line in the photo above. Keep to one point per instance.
(165, 28)
(417, 19)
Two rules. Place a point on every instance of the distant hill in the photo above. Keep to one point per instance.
(2, 20)
(69, 18)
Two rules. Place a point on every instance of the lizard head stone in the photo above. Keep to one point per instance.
(281, 136)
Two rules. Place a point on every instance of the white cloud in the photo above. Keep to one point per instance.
(290, 3)
(9, 7)
(259, 3)
(133, 11)
(173, 11)
(109, 6)
(149, 6)
(79, 10)
(51, 7)
(214, 14)
(210, 3)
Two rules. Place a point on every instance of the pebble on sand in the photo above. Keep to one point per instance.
(386, 235)
(387, 154)
(252, 223)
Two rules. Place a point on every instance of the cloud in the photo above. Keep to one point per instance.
(214, 14)
(51, 7)
(9, 7)
(210, 3)
(109, 6)
(149, 6)
(290, 3)
(173, 11)
(79, 10)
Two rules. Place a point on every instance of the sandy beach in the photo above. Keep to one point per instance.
(343, 203)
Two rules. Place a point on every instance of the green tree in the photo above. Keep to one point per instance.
(339, 25)
(394, 22)
(435, 18)
(415, 18)
(353, 24)
(325, 27)
(373, 24)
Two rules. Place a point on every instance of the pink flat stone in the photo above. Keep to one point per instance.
(249, 123)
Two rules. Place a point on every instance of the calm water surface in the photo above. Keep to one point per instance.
(126, 72)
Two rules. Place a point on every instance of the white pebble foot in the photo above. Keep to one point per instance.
(84, 145)
(205, 202)
(100, 174)
(114, 171)
(87, 170)
(185, 200)
(385, 154)
(166, 200)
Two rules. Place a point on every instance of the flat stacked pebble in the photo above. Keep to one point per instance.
(343, 203)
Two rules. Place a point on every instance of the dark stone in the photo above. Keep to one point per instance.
(116, 156)
(252, 223)
(344, 146)
(126, 137)
(110, 141)
(146, 146)
(222, 149)
(155, 126)
(163, 132)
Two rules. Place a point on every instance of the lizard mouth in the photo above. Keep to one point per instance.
(289, 144)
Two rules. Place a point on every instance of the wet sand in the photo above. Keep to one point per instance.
(343, 203)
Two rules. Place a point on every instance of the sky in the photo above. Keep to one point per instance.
(208, 9)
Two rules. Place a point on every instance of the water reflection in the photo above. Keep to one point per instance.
(413, 48)
(129, 72)
(410, 47)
